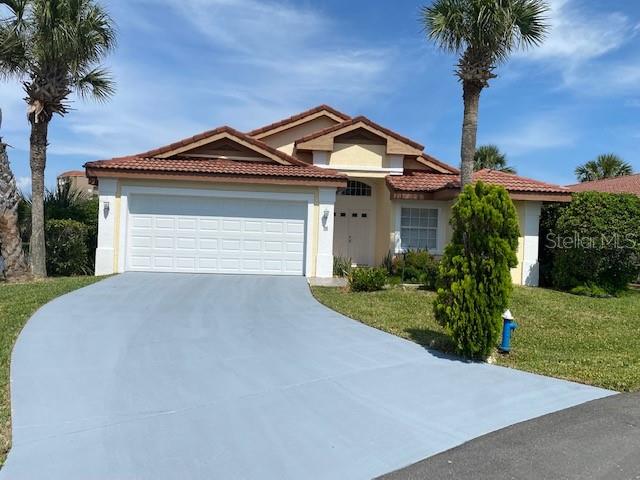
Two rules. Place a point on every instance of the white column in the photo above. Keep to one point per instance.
(106, 226)
(530, 265)
(324, 259)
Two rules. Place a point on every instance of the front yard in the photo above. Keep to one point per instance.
(587, 340)
(17, 303)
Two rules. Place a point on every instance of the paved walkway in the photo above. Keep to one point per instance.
(166, 376)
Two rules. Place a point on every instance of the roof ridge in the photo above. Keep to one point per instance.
(298, 116)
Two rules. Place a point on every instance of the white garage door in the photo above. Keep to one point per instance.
(215, 235)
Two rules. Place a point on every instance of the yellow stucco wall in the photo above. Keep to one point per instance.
(285, 140)
(350, 155)
(516, 273)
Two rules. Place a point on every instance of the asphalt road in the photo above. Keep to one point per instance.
(596, 440)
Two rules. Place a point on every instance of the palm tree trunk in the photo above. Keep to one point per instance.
(471, 95)
(15, 264)
(38, 159)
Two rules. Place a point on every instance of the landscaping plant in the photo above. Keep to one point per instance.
(54, 48)
(475, 279)
(416, 266)
(67, 247)
(341, 266)
(364, 279)
(596, 243)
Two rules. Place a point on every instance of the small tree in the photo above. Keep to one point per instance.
(475, 278)
(608, 165)
(490, 156)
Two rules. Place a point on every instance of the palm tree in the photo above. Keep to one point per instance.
(55, 47)
(483, 33)
(608, 165)
(490, 156)
(15, 264)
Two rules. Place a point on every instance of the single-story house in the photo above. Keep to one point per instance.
(286, 198)
(625, 184)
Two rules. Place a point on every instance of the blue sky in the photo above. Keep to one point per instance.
(184, 66)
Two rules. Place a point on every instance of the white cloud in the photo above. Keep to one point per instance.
(537, 133)
(577, 35)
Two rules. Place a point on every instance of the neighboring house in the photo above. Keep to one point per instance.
(625, 184)
(78, 181)
(286, 198)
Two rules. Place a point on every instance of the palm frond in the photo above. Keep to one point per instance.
(96, 83)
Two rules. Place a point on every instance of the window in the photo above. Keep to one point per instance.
(419, 228)
(356, 189)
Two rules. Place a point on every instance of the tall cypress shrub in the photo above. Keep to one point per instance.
(475, 279)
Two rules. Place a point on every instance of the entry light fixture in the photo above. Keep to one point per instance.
(325, 218)
(105, 209)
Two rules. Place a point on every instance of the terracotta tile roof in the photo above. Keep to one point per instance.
(366, 121)
(72, 173)
(224, 129)
(626, 184)
(419, 181)
(213, 166)
(299, 116)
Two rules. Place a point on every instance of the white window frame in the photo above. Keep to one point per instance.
(440, 228)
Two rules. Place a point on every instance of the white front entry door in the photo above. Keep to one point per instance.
(352, 238)
(167, 233)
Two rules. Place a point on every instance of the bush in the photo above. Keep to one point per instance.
(597, 242)
(417, 266)
(341, 266)
(367, 279)
(66, 242)
(475, 278)
(590, 291)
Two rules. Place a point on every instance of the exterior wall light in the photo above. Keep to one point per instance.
(105, 208)
(325, 218)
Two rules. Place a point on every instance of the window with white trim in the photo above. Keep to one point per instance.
(419, 228)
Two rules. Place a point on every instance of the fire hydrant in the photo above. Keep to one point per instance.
(508, 326)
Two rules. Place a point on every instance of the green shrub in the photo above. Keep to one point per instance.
(341, 266)
(66, 242)
(590, 291)
(417, 266)
(597, 242)
(475, 278)
(388, 263)
(363, 279)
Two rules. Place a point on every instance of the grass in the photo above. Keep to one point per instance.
(18, 301)
(587, 340)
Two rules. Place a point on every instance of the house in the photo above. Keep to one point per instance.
(286, 198)
(625, 184)
(78, 181)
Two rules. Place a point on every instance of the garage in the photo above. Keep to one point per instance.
(214, 234)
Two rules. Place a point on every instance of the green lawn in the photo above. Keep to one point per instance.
(17, 303)
(593, 341)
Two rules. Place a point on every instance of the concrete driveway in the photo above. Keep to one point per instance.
(165, 376)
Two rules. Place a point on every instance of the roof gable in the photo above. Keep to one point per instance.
(222, 135)
(324, 139)
(301, 118)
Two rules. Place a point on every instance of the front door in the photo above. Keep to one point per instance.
(352, 235)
